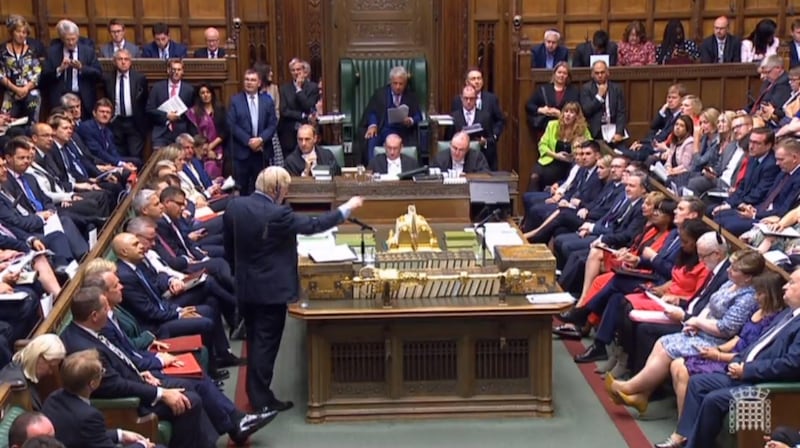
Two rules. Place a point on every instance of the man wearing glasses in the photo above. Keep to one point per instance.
(775, 90)
(118, 42)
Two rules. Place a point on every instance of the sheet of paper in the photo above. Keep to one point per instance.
(610, 130)
(776, 257)
(474, 128)
(397, 114)
(13, 296)
(331, 118)
(173, 104)
(442, 119)
(319, 242)
(46, 302)
(659, 171)
(599, 57)
(228, 183)
(53, 224)
(666, 306)
(550, 298)
(788, 232)
(341, 252)
(717, 194)
(651, 316)
(92, 238)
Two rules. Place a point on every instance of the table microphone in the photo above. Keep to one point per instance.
(360, 223)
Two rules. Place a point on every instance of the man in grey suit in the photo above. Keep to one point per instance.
(118, 42)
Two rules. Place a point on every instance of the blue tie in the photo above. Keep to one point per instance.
(153, 294)
(75, 162)
(29, 193)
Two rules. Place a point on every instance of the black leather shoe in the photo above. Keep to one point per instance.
(230, 360)
(593, 353)
(669, 443)
(279, 406)
(568, 332)
(220, 375)
(575, 316)
(249, 424)
(220, 384)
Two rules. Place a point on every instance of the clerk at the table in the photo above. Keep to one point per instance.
(460, 158)
(393, 162)
(308, 155)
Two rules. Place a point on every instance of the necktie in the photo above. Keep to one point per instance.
(37, 205)
(773, 193)
(468, 117)
(74, 159)
(764, 93)
(122, 108)
(478, 102)
(120, 354)
(183, 243)
(153, 294)
(767, 337)
(253, 115)
(720, 51)
(164, 54)
(173, 90)
(396, 99)
(277, 151)
(742, 172)
(68, 76)
(166, 246)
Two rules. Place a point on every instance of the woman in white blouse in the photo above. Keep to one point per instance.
(761, 43)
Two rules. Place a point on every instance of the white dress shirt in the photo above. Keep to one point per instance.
(393, 167)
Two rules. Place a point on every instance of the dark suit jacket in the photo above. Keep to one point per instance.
(731, 53)
(119, 379)
(604, 200)
(15, 190)
(88, 76)
(490, 105)
(539, 56)
(78, 424)
(145, 360)
(170, 249)
(294, 104)
(545, 95)
(757, 181)
(375, 113)
(474, 162)
(295, 164)
(786, 195)
(794, 60)
(266, 253)
(204, 180)
(594, 109)
(158, 94)
(138, 92)
(378, 164)
(174, 50)
(149, 310)
(241, 128)
(661, 126)
(584, 52)
(99, 141)
(704, 294)
(203, 53)
(620, 231)
(478, 116)
(586, 190)
(780, 359)
(107, 50)
(664, 260)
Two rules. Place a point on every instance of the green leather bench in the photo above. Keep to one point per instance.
(9, 415)
(359, 78)
(410, 151)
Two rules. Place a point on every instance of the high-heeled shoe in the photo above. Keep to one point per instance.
(609, 381)
(639, 404)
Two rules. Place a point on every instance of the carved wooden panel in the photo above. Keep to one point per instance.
(486, 51)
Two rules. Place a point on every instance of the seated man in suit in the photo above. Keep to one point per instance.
(116, 29)
(308, 155)
(781, 197)
(488, 102)
(460, 158)
(197, 414)
(660, 127)
(722, 46)
(78, 424)
(168, 125)
(775, 89)
(71, 66)
(774, 356)
(98, 138)
(393, 161)
(603, 103)
(29, 425)
(212, 50)
(476, 123)
(376, 116)
(599, 45)
(162, 46)
(549, 53)
(182, 314)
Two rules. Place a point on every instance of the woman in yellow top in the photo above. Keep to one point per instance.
(555, 146)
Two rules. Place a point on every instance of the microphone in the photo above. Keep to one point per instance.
(362, 224)
(495, 214)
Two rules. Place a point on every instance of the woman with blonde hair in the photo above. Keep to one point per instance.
(20, 71)
(35, 362)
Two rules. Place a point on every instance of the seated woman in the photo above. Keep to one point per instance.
(37, 361)
(761, 42)
(555, 145)
(675, 48)
(707, 140)
(727, 311)
(768, 288)
(634, 48)
(686, 277)
(680, 152)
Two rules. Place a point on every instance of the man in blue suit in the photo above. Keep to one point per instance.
(775, 356)
(99, 139)
(162, 47)
(169, 125)
(261, 244)
(781, 197)
(549, 53)
(252, 123)
(71, 66)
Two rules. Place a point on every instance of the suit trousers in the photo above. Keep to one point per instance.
(222, 413)
(264, 326)
(732, 222)
(128, 138)
(245, 172)
(566, 221)
(192, 429)
(567, 244)
(707, 401)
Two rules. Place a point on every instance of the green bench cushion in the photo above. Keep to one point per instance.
(11, 413)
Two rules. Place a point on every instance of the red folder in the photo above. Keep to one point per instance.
(190, 368)
(183, 344)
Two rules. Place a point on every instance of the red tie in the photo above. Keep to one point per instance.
(742, 172)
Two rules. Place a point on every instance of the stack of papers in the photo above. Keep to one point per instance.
(332, 118)
(318, 241)
(397, 114)
(788, 232)
(550, 298)
(500, 234)
(341, 252)
(442, 119)
(777, 257)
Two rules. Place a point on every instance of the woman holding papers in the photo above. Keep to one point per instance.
(768, 287)
(555, 147)
(727, 311)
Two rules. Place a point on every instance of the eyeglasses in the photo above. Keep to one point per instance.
(705, 255)
(181, 203)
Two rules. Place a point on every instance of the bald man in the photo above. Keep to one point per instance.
(212, 49)
(460, 158)
(722, 46)
(393, 161)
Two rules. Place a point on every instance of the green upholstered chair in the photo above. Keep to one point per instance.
(358, 80)
(338, 153)
(10, 414)
(444, 145)
(410, 151)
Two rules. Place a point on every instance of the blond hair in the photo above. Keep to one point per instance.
(273, 180)
(99, 266)
(47, 346)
